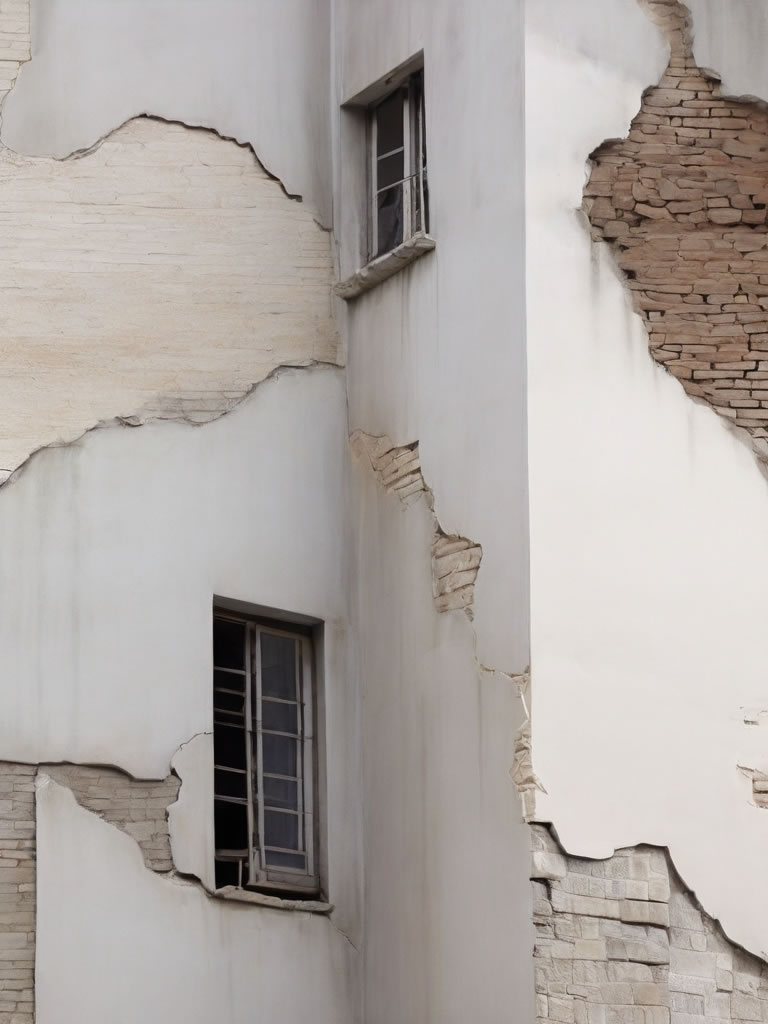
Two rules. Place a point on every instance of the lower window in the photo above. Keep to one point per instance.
(264, 755)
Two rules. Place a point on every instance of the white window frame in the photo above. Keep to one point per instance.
(414, 165)
(261, 874)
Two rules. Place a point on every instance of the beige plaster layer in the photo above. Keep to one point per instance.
(161, 274)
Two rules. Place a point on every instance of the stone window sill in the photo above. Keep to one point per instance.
(231, 892)
(384, 267)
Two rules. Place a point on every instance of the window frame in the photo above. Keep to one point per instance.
(261, 875)
(415, 197)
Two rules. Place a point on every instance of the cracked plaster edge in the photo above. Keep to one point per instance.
(229, 894)
(758, 446)
(131, 421)
(564, 852)
(362, 445)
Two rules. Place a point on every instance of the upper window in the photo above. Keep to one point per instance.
(399, 195)
(264, 755)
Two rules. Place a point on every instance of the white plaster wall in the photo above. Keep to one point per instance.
(167, 951)
(730, 40)
(254, 70)
(163, 274)
(649, 524)
(437, 355)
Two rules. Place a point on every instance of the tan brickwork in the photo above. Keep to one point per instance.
(623, 941)
(17, 892)
(138, 807)
(455, 560)
(14, 42)
(682, 202)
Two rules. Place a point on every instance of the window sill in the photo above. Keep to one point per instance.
(384, 267)
(231, 892)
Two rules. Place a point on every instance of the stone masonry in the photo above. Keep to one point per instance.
(14, 42)
(623, 941)
(455, 560)
(17, 892)
(137, 807)
(682, 202)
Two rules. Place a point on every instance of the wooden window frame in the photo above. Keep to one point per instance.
(261, 875)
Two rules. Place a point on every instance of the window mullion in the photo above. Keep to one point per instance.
(308, 782)
(259, 754)
(407, 163)
(249, 748)
(374, 171)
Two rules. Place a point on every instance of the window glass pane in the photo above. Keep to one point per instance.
(228, 644)
(281, 829)
(389, 213)
(278, 754)
(229, 680)
(389, 170)
(280, 717)
(278, 666)
(281, 793)
(286, 860)
(230, 783)
(230, 825)
(228, 872)
(229, 745)
(389, 123)
(234, 703)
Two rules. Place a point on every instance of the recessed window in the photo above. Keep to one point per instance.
(264, 755)
(399, 193)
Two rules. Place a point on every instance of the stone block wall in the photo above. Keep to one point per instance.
(682, 202)
(14, 42)
(623, 941)
(17, 892)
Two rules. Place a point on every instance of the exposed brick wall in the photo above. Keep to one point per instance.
(682, 202)
(163, 273)
(622, 941)
(17, 892)
(138, 807)
(455, 560)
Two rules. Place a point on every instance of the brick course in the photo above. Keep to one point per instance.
(623, 941)
(17, 892)
(682, 202)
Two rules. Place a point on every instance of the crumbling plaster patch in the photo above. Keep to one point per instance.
(624, 940)
(455, 560)
(682, 202)
(161, 274)
(15, 46)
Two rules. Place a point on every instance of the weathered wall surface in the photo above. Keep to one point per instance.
(162, 274)
(257, 72)
(649, 517)
(436, 356)
(182, 954)
(17, 892)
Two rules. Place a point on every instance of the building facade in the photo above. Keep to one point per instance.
(382, 455)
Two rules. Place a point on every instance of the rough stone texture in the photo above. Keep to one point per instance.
(622, 941)
(138, 807)
(682, 202)
(17, 892)
(163, 273)
(455, 560)
(759, 786)
(14, 42)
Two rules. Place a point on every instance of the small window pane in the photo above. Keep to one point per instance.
(229, 680)
(278, 666)
(389, 123)
(281, 830)
(389, 213)
(280, 717)
(279, 754)
(230, 784)
(286, 860)
(389, 170)
(228, 644)
(234, 703)
(281, 793)
(229, 745)
(231, 825)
